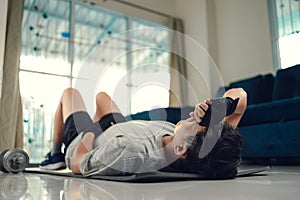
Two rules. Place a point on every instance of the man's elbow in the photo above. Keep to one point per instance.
(242, 94)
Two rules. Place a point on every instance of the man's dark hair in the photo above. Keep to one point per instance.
(221, 162)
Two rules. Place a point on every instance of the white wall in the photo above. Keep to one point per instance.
(243, 38)
(236, 34)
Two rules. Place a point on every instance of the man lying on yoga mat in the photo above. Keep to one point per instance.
(111, 145)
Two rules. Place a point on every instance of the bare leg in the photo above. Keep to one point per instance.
(70, 102)
(82, 149)
(104, 105)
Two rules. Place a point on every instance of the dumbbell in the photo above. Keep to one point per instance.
(13, 160)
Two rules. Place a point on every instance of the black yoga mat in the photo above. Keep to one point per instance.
(145, 177)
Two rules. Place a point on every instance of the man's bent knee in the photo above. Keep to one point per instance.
(102, 95)
(70, 92)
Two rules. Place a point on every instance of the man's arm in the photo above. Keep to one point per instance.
(236, 116)
(82, 149)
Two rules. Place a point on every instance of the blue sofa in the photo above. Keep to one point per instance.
(271, 124)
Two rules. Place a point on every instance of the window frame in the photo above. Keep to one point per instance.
(275, 35)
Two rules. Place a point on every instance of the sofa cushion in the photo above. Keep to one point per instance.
(258, 88)
(271, 112)
(287, 83)
(271, 140)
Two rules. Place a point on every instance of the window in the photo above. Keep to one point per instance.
(285, 26)
(52, 59)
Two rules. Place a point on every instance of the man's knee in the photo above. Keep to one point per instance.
(101, 96)
(70, 92)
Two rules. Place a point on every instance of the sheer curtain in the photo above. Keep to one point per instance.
(178, 91)
(11, 128)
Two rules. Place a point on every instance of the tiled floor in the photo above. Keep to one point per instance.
(279, 183)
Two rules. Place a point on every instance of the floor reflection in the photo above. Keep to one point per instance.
(279, 183)
(32, 186)
(13, 186)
